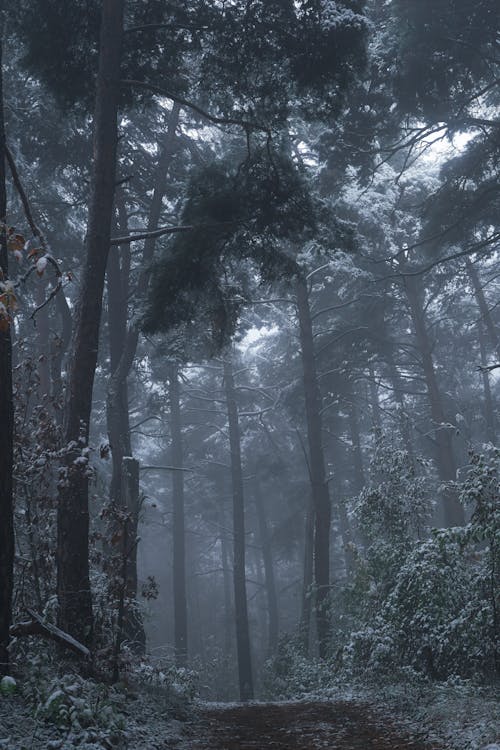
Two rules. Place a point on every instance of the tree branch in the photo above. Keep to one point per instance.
(247, 125)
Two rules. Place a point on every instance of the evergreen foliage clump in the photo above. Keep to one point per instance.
(242, 219)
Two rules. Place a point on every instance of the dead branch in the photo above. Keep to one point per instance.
(37, 626)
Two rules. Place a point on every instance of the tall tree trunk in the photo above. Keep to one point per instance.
(239, 570)
(6, 420)
(133, 628)
(452, 509)
(123, 342)
(117, 408)
(269, 577)
(489, 408)
(43, 345)
(358, 474)
(398, 391)
(320, 494)
(344, 525)
(178, 524)
(73, 585)
(226, 572)
(307, 581)
(59, 346)
(375, 403)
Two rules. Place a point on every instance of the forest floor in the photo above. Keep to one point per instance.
(445, 720)
(298, 726)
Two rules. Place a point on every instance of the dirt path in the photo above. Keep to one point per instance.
(298, 726)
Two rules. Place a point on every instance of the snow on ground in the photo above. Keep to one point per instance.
(458, 717)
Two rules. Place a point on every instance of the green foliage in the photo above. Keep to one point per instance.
(437, 614)
(70, 701)
(445, 50)
(291, 674)
(243, 219)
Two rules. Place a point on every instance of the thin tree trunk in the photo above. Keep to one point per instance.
(226, 573)
(320, 494)
(239, 570)
(489, 408)
(123, 342)
(398, 390)
(452, 509)
(59, 346)
(269, 577)
(178, 524)
(133, 628)
(6, 422)
(307, 581)
(375, 403)
(73, 585)
(358, 474)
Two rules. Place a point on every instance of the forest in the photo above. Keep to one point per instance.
(249, 374)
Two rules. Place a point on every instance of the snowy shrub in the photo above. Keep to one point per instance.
(178, 685)
(70, 701)
(291, 674)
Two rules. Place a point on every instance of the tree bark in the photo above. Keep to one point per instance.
(307, 581)
(123, 342)
(226, 572)
(452, 509)
(320, 494)
(178, 524)
(489, 408)
(239, 570)
(73, 585)
(269, 577)
(117, 408)
(133, 628)
(358, 474)
(6, 423)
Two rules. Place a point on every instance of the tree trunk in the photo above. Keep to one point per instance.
(123, 342)
(375, 403)
(226, 572)
(178, 524)
(59, 346)
(320, 494)
(489, 408)
(7, 424)
(358, 474)
(117, 408)
(270, 581)
(73, 585)
(307, 581)
(452, 509)
(398, 390)
(133, 628)
(239, 571)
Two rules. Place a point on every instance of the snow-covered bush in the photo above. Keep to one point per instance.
(291, 674)
(179, 685)
(432, 604)
(70, 701)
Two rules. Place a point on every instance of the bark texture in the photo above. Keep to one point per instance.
(239, 574)
(6, 427)
(320, 494)
(269, 577)
(178, 523)
(453, 512)
(73, 586)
